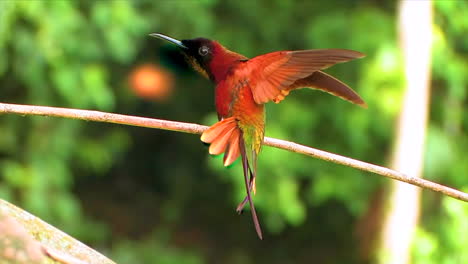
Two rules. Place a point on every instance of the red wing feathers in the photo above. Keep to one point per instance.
(272, 74)
(327, 83)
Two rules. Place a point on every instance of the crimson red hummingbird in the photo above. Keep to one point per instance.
(244, 85)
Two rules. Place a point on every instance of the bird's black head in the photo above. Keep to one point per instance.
(198, 52)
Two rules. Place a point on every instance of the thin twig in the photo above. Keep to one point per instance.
(198, 129)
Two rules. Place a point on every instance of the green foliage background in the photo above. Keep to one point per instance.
(149, 196)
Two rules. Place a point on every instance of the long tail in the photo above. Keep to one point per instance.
(225, 136)
(240, 207)
(249, 183)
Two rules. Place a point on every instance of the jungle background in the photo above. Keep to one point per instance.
(151, 196)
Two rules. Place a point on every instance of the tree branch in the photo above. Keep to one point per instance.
(39, 239)
(198, 129)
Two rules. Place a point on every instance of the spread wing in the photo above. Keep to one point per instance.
(327, 83)
(273, 75)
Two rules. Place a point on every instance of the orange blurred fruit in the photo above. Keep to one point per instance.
(151, 82)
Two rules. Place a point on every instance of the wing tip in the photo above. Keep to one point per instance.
(359, 55)
(363, 104)
(354, 54)
(357, 100)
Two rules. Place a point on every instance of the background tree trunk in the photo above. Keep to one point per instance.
(415, 27)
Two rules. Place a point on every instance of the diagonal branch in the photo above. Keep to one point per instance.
(27, 239)
(198, 129)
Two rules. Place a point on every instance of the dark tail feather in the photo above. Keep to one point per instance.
(240, 207)
(248, 186)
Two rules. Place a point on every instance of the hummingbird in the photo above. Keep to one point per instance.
(242, 88)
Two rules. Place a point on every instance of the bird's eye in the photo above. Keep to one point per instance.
(203, 50)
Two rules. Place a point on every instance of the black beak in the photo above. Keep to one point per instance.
(175, 41)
